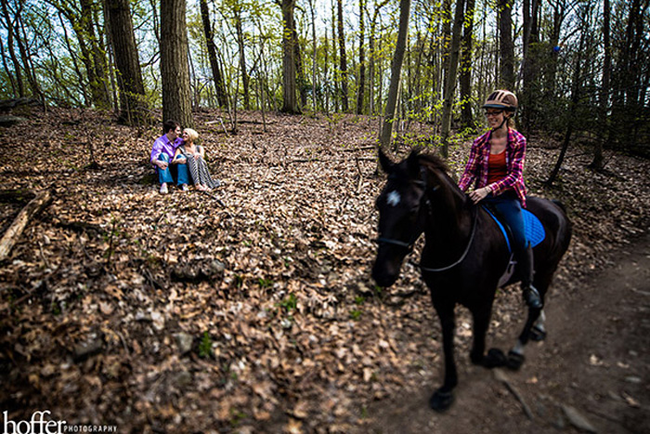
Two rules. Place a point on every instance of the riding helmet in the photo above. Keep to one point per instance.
(502, 99)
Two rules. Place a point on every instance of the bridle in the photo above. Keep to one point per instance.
(464, 255)
(410, 245)
(422, 182)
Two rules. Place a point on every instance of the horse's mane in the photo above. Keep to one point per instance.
(434, 162)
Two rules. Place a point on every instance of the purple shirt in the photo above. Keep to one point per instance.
(162, 145)
(477, 166)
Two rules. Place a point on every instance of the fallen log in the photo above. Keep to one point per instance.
(16, 229)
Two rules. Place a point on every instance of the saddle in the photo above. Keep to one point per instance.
(535, 234)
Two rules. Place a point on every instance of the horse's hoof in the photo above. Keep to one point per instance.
(495, 358)
(477, 359)
(537, 334)
(441, 401)
(515, 360)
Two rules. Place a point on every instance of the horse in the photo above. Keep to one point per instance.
(464, 255)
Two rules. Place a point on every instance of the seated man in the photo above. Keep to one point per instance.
(162, 154)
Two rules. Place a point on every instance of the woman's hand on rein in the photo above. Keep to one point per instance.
(479, 195)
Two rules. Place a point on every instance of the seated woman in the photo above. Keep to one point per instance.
(195, 156)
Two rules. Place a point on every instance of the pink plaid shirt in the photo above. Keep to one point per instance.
(477, 166)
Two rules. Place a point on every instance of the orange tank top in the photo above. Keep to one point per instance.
(497, 167)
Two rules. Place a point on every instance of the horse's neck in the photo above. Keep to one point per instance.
(449, 220)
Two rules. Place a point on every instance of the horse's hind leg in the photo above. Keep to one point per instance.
(538, 331)
(516, 354)
(443, 397)
(534, 327)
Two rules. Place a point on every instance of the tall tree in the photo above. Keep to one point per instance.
(133, 103)
(466, 61)
(603, 96)
(290, 102)
(313, 54)
(343, 65)
(451, 79)
(82, 16)
(175, 71)
(576, 87)
(10, 24)
(237, 15)
(96, 50)
(506, 45)
(531, 90)
(219, 86)
(372, 56)
(395, 73)
(362, 57)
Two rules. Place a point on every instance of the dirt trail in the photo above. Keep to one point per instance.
(595, 360)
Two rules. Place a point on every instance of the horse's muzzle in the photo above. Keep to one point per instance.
(383, 275)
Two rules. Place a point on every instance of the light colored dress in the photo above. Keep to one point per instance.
(198, 168)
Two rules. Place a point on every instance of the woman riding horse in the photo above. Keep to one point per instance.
(463, 258)
(496, 166)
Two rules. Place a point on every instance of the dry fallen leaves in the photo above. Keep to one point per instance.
(289, 332)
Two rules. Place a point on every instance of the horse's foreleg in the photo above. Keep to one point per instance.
(443, 397)
(481, 318)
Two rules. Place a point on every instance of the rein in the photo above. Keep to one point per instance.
(464, 255)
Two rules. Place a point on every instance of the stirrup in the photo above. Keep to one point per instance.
(532, 298)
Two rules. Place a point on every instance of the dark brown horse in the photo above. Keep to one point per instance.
(464, 256)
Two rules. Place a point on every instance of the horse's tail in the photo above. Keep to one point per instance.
(559, 204)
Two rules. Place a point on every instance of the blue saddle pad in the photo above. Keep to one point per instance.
(535, 232)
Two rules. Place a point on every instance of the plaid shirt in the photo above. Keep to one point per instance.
(477, 166)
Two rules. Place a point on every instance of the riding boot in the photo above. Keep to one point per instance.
(529, 292)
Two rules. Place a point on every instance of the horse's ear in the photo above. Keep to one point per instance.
(386, 163)
(413, 164)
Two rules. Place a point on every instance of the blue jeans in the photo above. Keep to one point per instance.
(166, 175)
(509, 208)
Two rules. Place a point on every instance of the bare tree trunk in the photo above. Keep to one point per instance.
(133, 103)
(466, 62)
(395, 73)
(12, 52)
(450, 79)
(506, 47)
(362, 59)
(98, 88)
(75, 64)
(446, 42)
(174, 65)
(219, 86)
(12, 80)
(242, 55)
(313, 58)
(290, 104)
(372, 56)
(300, 70)
(343, 58)
(603, 97)
(530, 66)
(28, 66)
(575, 97)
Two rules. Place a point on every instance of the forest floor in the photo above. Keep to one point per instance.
(173, 313)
